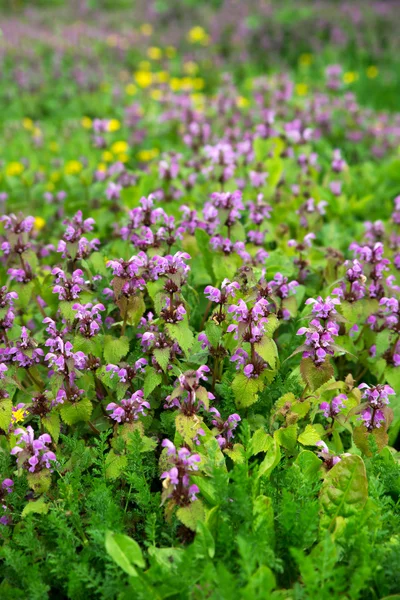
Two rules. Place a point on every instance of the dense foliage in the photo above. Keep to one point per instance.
(199, 303)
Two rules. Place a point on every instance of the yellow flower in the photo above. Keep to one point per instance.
(241, 102)
(54, 147)
(161, 76)
(198, 100)
(101, 167)
(39, 223)
(27, 124)
(18, 415)
(301, 89)
(143, 78)
(175, 84)
(190, 67)
(119, 147)
(73, 167)
(156, 94)
(123, 158)
(86, 122)
(170, 51)
(131, 89)
(197, 35)
(14, 168)
(154, 53)
(198, 83)
(146, 29)
(372, 72)
(305, 60)
(146, 155)
(350, 77)
(113, 125)
(107, 156)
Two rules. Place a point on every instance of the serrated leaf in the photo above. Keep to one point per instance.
(151, 381)
(287, 437)
(191, 514)
(271, 460)
(315, 376)
(37, 506)
(187, 427)
(260, 442)
(237, 453)
(74, 412)
(51, 423)
(213, 333)
(115, 348)
(5, 413)
(162, 356)
(392, 376)
(344, 491)
(268, 351)
(310, 436)
(182, 334)
(246, 390)
(309, 464)
(39, 482)
(361, 437)
(124, 551)
(66, 310)
(115, 464)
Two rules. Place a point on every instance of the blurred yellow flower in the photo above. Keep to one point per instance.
(18, 415)
(350, 77)
(86, 122)
(119, 147)
(14, 168)
(143, 78)
(241, 102)
(305, 60)
(39, 223)
(190, 67)
(156, 94)
(113, 125)
(146, 29)
(372, 72)
(27, 123)
(73, 167)
(301, 89)
(198, 83)
(101, 167)
(123, 158)
(154, 53)
(161, 76)
(198, 35)
(107, 156)
(175, 84)
(146, 155)
(131, 89)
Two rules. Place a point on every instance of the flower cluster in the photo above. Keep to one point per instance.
(176, 481)
(33, 454)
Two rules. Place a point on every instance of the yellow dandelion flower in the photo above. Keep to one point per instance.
(146, 155)
(372, 72)
(123, 158)
(101, 167)
(107, 156)
(198, 83)
(14, 168)
(131, 89)
(119, 147)
(27, 124)
(73, 167)
(154, 53)
(198, 35)
(301, 89)
(143, 78)
(39, 223)
(242, 102)
(161, 76)
(175, 84)
(86, 122)
(146, 29)
(350, 77)
(190, 67)
(18, 415)
(113, 125)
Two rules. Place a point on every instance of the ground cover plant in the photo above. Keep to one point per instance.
(199, 301)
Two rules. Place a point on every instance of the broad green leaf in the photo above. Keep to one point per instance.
(51, 423)
(246, 390)
(268, 351)
(182, 334)
(287, 437)
(213, 333)
(72, 413)
(5, 413)
(115, 348)
(151, 381)
(271, 460)
(39, 482)
(187, 427)
(66, 310)
(344, 491)
(314, 376)
(37, 506)
(310, 436)
(237, 453)
(361, 437)
(192, 513)
(162, 356)
(392, 376)
(115, 464)
(205, 537)
(260, 442)
(125, 551)
(309, 464)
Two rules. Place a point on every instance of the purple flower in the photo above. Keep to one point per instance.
(33, 454)
(130, 409)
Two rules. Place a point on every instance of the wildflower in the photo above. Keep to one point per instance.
(33, 454)
(176, 482)
(129, 409)
(333, 408)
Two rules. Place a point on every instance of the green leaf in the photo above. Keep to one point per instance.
(392, 376)
(246, 390)
(187, 427)
(192, 513)
(115, 348)
(72, 413)
(39, 482)
(51, 423)
(66, 310)
(309, 464)
(125, 551)
(345, 490)
(5, 413)
(268, 351)
(213, 333)
(315, 376)
(151, 381)
(310, 436)
(271, 460)
(203, 242)
(237, 453)
(162, 356)
(205, 537)
(182, 334)
(260, 442)
(361, 437)
(115, 464)
(287, 437)
(37, 506)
